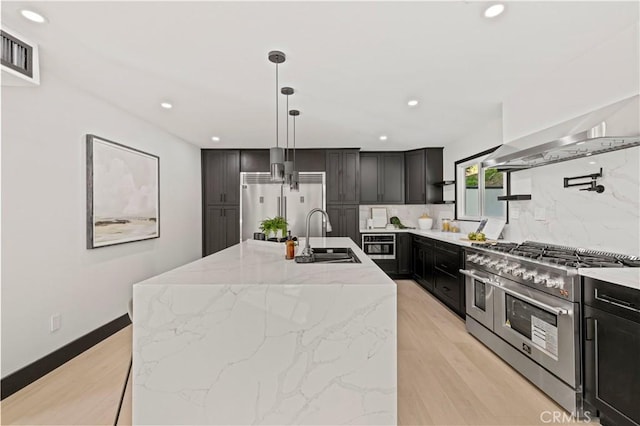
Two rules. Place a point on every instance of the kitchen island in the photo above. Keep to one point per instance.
(246, 337)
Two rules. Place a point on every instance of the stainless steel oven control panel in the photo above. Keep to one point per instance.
(379, 246)
(558, 281)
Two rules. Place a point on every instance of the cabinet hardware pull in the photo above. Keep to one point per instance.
(616, 302)
(220, 197)
(589, 332)
(445, 288)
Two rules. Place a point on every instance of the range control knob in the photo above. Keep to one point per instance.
(554, 283)
(517, 272)
(484, 260)
(493, 263)
(541, 279)
(527, 275)
(510, 267)
(501, 266)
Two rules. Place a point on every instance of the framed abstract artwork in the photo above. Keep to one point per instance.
(123, 194)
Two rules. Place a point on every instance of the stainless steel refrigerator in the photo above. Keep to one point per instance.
(261, 199)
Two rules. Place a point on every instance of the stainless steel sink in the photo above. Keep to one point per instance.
(330, 255)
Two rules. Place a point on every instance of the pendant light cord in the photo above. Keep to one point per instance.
(294, 142)
(286, 152)
(277, 136)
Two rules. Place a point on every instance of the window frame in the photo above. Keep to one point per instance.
(460, 202)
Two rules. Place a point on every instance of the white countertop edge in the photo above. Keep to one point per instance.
(263, 263)
(627, 277)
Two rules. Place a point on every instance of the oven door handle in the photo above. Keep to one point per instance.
(556, 311)
(471, 274)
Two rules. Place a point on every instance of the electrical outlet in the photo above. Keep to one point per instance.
(55, 322)
(540, 213)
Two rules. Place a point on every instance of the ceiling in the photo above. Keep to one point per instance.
(354, 65)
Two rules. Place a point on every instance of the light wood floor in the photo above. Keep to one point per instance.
(445, 377)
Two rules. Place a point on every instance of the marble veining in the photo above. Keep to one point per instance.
(265, 352)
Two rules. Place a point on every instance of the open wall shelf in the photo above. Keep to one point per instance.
(514, 197)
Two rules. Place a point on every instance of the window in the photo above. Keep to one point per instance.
(478, 188)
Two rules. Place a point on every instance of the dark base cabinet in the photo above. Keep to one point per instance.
(612, 352)
(435, 267)
(423, 262)
(222, 228)
(345, 221)
(404, 254)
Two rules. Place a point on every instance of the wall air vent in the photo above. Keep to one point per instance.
(19, 60)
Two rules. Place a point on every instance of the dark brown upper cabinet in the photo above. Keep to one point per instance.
(221, 177)
(307, 160)
(423, 171)
(382, 178)
(343, 176)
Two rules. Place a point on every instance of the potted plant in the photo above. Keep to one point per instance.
(276, 227)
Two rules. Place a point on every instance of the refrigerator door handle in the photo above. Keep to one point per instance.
(285, 206)
(279, 207)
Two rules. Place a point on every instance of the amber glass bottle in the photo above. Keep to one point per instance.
(290, 247)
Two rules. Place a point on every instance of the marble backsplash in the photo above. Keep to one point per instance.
(609, 221)
(409, 213)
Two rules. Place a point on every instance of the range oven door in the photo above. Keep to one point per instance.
(479, 297)
(543, 327)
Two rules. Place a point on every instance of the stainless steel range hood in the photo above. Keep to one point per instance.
(614, 127)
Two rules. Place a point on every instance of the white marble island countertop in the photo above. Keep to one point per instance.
(246, 337)
(260, 262)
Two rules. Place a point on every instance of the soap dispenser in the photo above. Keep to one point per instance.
(290, 247)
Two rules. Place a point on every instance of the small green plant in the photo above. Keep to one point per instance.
(268, 226)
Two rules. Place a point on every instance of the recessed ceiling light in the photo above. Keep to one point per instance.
(494, 10)
(215, 138)
(412, 102)
(166, 105)
(588, 154)
(592, 162)
(33, 16)
(383, 138)
(580, 143)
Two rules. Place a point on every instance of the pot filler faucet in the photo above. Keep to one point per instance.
(307, 251)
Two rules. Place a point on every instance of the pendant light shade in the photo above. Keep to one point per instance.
(276, 154)
(288, 164)
(295, 176)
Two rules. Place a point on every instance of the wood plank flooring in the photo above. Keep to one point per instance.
(445, 377)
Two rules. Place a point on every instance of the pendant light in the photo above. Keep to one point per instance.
(276, 154)
(288, 164)
(295, 176)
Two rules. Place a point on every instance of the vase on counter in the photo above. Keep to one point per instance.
(425, 223)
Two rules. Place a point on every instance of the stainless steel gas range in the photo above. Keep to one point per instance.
(523, 302)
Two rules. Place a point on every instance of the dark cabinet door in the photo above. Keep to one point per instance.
(231, 161)
(334, 173)
(391, 178)
(612, 371)
(434, 174)
(351, 218)
(221, 176)
(404, 253)
(335, 217)
(214, 238)
(231, 226)
(418, 261)
(222, 228)
(447, 288)
(369, 178)
(351, 177)
(415, 177)
(310, 160)
(212, 177)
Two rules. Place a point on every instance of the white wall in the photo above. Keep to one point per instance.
(610, 221)
(605, 74)
(46, 268)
